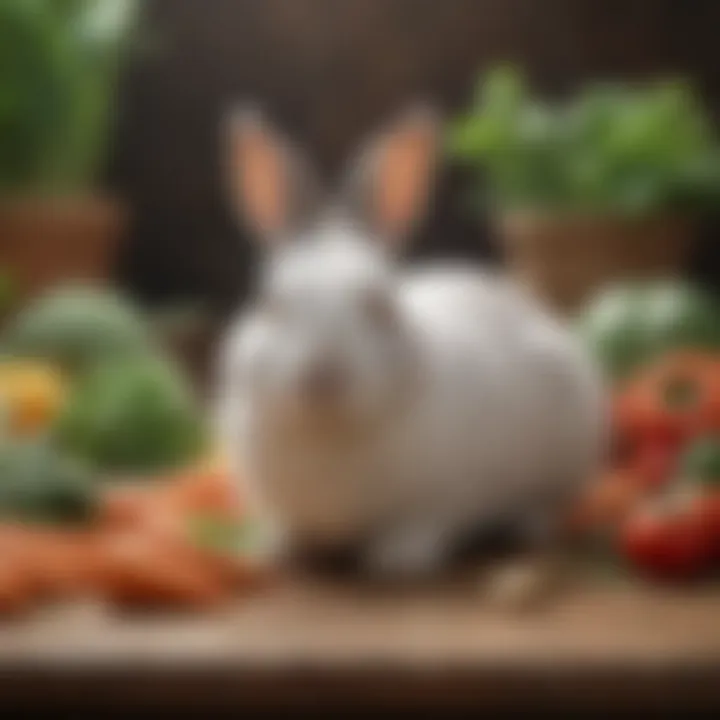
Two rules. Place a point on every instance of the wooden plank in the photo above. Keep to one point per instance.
(303, 643)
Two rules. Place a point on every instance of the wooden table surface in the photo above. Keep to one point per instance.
(309, 642)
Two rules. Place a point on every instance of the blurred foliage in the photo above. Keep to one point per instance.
(222, 535)
(59, 65)
(40, 484)
(133, 415)
(610, 148)
(630, 324)
(7, 289)
(76, 326)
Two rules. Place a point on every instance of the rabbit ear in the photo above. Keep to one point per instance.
(389, 185)
(271, 185)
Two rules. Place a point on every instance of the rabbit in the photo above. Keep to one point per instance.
(395, 408)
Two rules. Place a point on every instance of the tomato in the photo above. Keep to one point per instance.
(607, 502)
(671, 543)
(654, 463)
(671, 401)
(706, 510)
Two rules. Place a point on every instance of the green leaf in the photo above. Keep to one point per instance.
(59, 65)
(612, 148)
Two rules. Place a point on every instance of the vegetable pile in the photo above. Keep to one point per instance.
(79, 365)
(105, 487)
(180, 543)
(659, 504)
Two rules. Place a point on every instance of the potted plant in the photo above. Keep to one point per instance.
(59, 67)
(605, 185)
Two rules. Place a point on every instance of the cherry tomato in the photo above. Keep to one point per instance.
(667, 544)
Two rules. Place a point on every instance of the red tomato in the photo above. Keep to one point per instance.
(671, 544)
(655, 462)
(671, 400)
(607, 501)
(707, 511)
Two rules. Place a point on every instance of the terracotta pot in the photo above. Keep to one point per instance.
(564, 260)
(45, 241)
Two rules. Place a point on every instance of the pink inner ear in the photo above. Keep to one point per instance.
(403, 179)
(262, 179)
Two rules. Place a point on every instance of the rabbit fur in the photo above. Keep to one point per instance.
(461, 400)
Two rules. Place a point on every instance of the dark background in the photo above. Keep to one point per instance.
(329, 71)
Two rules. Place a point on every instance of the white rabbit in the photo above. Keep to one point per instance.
(396, 409)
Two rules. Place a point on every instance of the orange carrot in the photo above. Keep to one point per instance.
(17, 582)
(206, 491)
(55, 562)
(123, 506)
(139, 569)
(192, 492)
(66, 561)
(15, 590)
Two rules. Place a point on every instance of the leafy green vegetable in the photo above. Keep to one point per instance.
(77, 326)
(59, 66)
(133, 415)
(39, 484)
(629, 324)
(611, 148)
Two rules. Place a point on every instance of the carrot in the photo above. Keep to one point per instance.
(67, 561)
(128, 506)
(191, 492)
(208, 491)
(15, 589)
(139, 569)
(236, 572)
(148, 556)
(17, 581)
(56, 563)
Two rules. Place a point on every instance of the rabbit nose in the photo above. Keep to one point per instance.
(324, 381)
